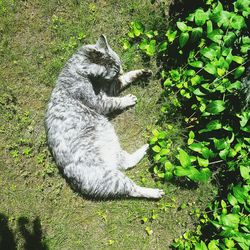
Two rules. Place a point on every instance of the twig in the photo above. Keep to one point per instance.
(215, 162)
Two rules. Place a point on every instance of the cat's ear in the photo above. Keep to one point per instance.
(102, 43)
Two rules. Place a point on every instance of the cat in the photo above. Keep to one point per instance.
(82, 140)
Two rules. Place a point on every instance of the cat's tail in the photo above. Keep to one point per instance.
(99, 182)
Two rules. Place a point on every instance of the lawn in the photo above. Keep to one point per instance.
(38, 210)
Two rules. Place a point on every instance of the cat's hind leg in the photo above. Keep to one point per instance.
(104, 183)
(133, 76)
(130, 160)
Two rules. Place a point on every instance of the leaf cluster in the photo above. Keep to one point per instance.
(214, 44)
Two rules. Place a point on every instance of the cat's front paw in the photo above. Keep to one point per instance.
(129, 100)
(146, 73)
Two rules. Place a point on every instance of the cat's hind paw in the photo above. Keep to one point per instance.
(150, 193)
(154, 193)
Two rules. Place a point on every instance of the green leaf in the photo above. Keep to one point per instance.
(216, 35)
(150, 34)
(182, 26)
(246, 129)
(183, 39)
(168, 176)
(200, 17)
(221, 72)
(190, 17)
(190, 137)
(167, 82)
(180, 171)
(148, 230)
(232, 200)
(230, 220)
(205, 174)
(209, 26)
(229, 243)
(131, 34)
(207, 153)
(223, 154)
(155, 132)
(196, 33)
(222, 63)
(198, 92)
(143, 44)
(209, 53)
(189, 72)
(164, 151)
(126, 45)
(244, 118)
(218, 8)
(200, 246)
(237, 22)
(168, 166)
(210, 68)
(151, 48)
(245, 172)
(238, 59)
(221, 143)
(137, 28)
(221, 18)
(242, 5)
(245, 39)
(184, 159)
(156, 149)
(196, 64)
(244, 48)
(202, 162)
(213, 245)
(229, 38)
(238, 193)
(235, 85)
(171, 35)
(197, 147)
(191, 172)
(196, 80)
(215, 107)
(162, 46)
(239, 71)
(213, 125)
(175, 74)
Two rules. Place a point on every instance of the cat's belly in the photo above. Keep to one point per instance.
(78, 135)
(107, 143)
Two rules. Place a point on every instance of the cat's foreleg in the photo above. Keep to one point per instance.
(133, 76)
(130, 160)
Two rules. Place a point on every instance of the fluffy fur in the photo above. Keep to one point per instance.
(82, 140)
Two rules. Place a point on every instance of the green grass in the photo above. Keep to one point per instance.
(37, 207)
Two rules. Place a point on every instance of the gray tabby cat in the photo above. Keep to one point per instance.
(82, 140)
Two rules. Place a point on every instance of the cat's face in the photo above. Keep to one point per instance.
(105, 56)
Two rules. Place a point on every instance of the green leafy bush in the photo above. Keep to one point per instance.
(210, 49)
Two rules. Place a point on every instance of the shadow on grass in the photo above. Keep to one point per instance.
(30, 231)
(7, 239)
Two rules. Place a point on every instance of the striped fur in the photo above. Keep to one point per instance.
(82, 140)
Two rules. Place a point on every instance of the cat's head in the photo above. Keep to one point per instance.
(102, 54)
